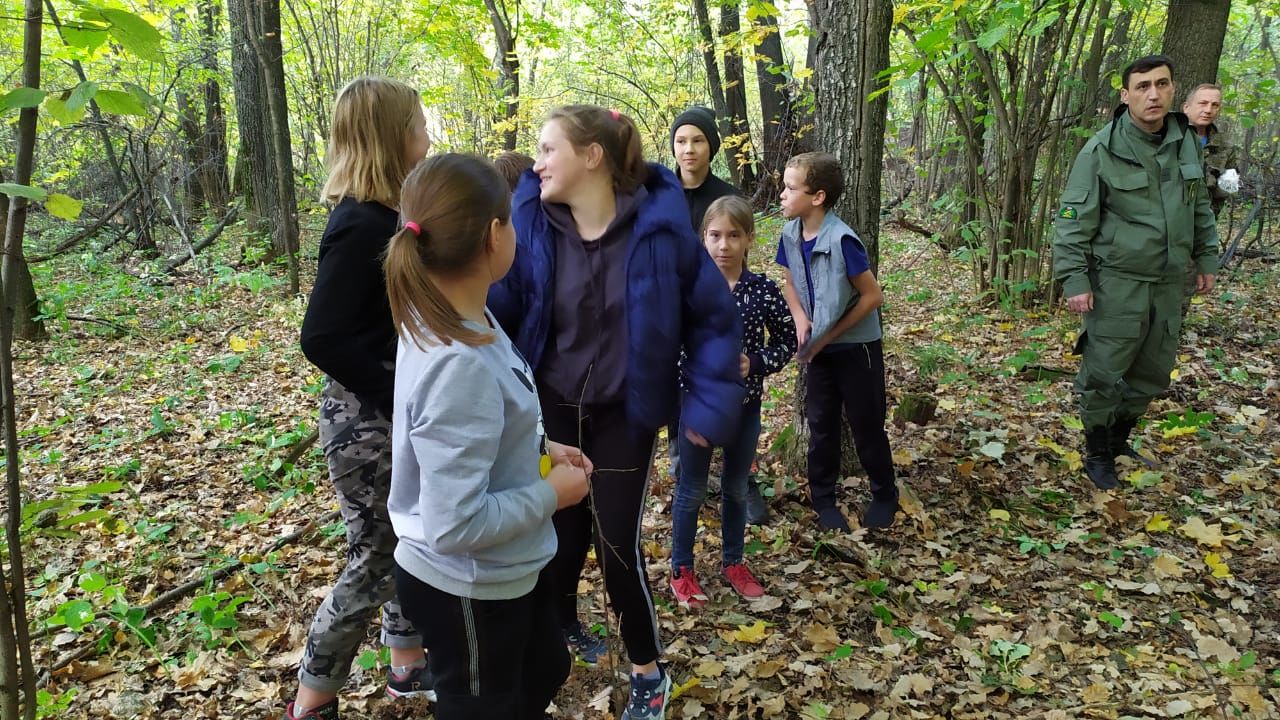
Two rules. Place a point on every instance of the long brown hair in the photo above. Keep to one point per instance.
(614, 132)
(371, 120)
(453, 199)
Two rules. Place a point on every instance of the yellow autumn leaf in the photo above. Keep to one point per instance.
(544, 465)
(686, 686)
(238, 344)
(753, 633)
(1195, 529)
(1174, 374)
(1179, 431)
(1217, 564)
(1158, 523)
(998, 514)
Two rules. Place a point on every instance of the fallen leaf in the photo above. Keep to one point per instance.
(1096, 693)
(1195, 529)
(1158, 523)
(1217, 564)
(1175, 708)
(822, 638)
(753, 633)
(1167, 565)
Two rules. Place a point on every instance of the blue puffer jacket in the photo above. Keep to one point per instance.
(675, 296)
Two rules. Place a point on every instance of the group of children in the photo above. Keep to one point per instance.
(503, 344)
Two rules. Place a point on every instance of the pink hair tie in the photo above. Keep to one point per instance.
(615, 114)
(411, 225)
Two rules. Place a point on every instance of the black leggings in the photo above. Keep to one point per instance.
(621, 454)
(490, 658)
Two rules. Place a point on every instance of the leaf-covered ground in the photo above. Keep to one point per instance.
(153, 454)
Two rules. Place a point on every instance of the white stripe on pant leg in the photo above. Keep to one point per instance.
(640, 569)
(473, 650)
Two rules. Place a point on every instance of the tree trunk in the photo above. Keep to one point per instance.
(508, 72)
(1194, 31)
(17, 674)
(254, 166)
(852, 48)
(709, 60)
(19, 290)
(740, 155)
(776, 142)
(270, 52)
(213, 138)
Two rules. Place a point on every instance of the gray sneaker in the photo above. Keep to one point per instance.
(648, 699)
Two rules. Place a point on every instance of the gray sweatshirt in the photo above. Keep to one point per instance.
(467, 501)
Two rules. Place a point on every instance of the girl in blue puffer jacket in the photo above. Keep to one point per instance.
(609, 282)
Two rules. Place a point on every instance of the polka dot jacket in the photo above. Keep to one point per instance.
(768, 332)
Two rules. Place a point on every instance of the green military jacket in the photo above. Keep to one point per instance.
(1136, 205)
(1219, 156)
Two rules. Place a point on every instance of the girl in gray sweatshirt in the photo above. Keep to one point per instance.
(473, 480)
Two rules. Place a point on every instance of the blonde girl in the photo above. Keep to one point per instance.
(379, 134)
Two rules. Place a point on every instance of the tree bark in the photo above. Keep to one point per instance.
(17, 674)
(508, 70)
(1194, 31)
(270, 52)
(776, 141)
(213, 137)
(254, 165)
(740, 155)
(19, 290)
(709, 60)
(851, 49)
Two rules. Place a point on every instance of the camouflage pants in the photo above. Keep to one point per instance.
(357, 445)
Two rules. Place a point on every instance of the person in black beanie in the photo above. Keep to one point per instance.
(695, 142)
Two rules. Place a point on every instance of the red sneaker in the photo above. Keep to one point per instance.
(743, 581)
(686, 588)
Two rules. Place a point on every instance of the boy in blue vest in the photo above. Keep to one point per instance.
(835, 300)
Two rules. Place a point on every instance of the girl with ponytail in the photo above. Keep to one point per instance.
(609, 283)
(378, 135)
(474, 482)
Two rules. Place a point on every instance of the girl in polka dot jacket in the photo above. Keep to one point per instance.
(768, 342)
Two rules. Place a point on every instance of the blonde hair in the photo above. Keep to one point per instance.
(371, 121)
(737, 209)
(453, 198)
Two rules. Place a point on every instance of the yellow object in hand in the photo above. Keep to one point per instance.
(544, 465)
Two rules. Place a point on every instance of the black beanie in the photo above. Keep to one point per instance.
(701, 118)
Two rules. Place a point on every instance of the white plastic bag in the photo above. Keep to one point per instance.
(1229, 182)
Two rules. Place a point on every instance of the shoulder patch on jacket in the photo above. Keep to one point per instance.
(1068, 213)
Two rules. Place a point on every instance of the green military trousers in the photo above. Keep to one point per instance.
(1129, 345)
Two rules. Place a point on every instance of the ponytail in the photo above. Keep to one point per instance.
(616, 134)
(418, 308)
(449, 202)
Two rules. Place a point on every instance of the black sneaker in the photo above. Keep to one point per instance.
(880, 514)
(830, 518)
(415, 683)
(757, 509)
(588, 646)
(327, 711)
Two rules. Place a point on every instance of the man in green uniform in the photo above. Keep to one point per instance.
(1134, 212)
(1202, 107)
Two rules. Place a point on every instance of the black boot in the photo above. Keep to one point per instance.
(757, 510)
(1120, 442)
(1099, 463)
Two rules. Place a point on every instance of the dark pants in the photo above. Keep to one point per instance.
(849, 379)
(621, 454)
(490, 658)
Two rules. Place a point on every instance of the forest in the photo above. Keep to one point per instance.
(170, 527)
